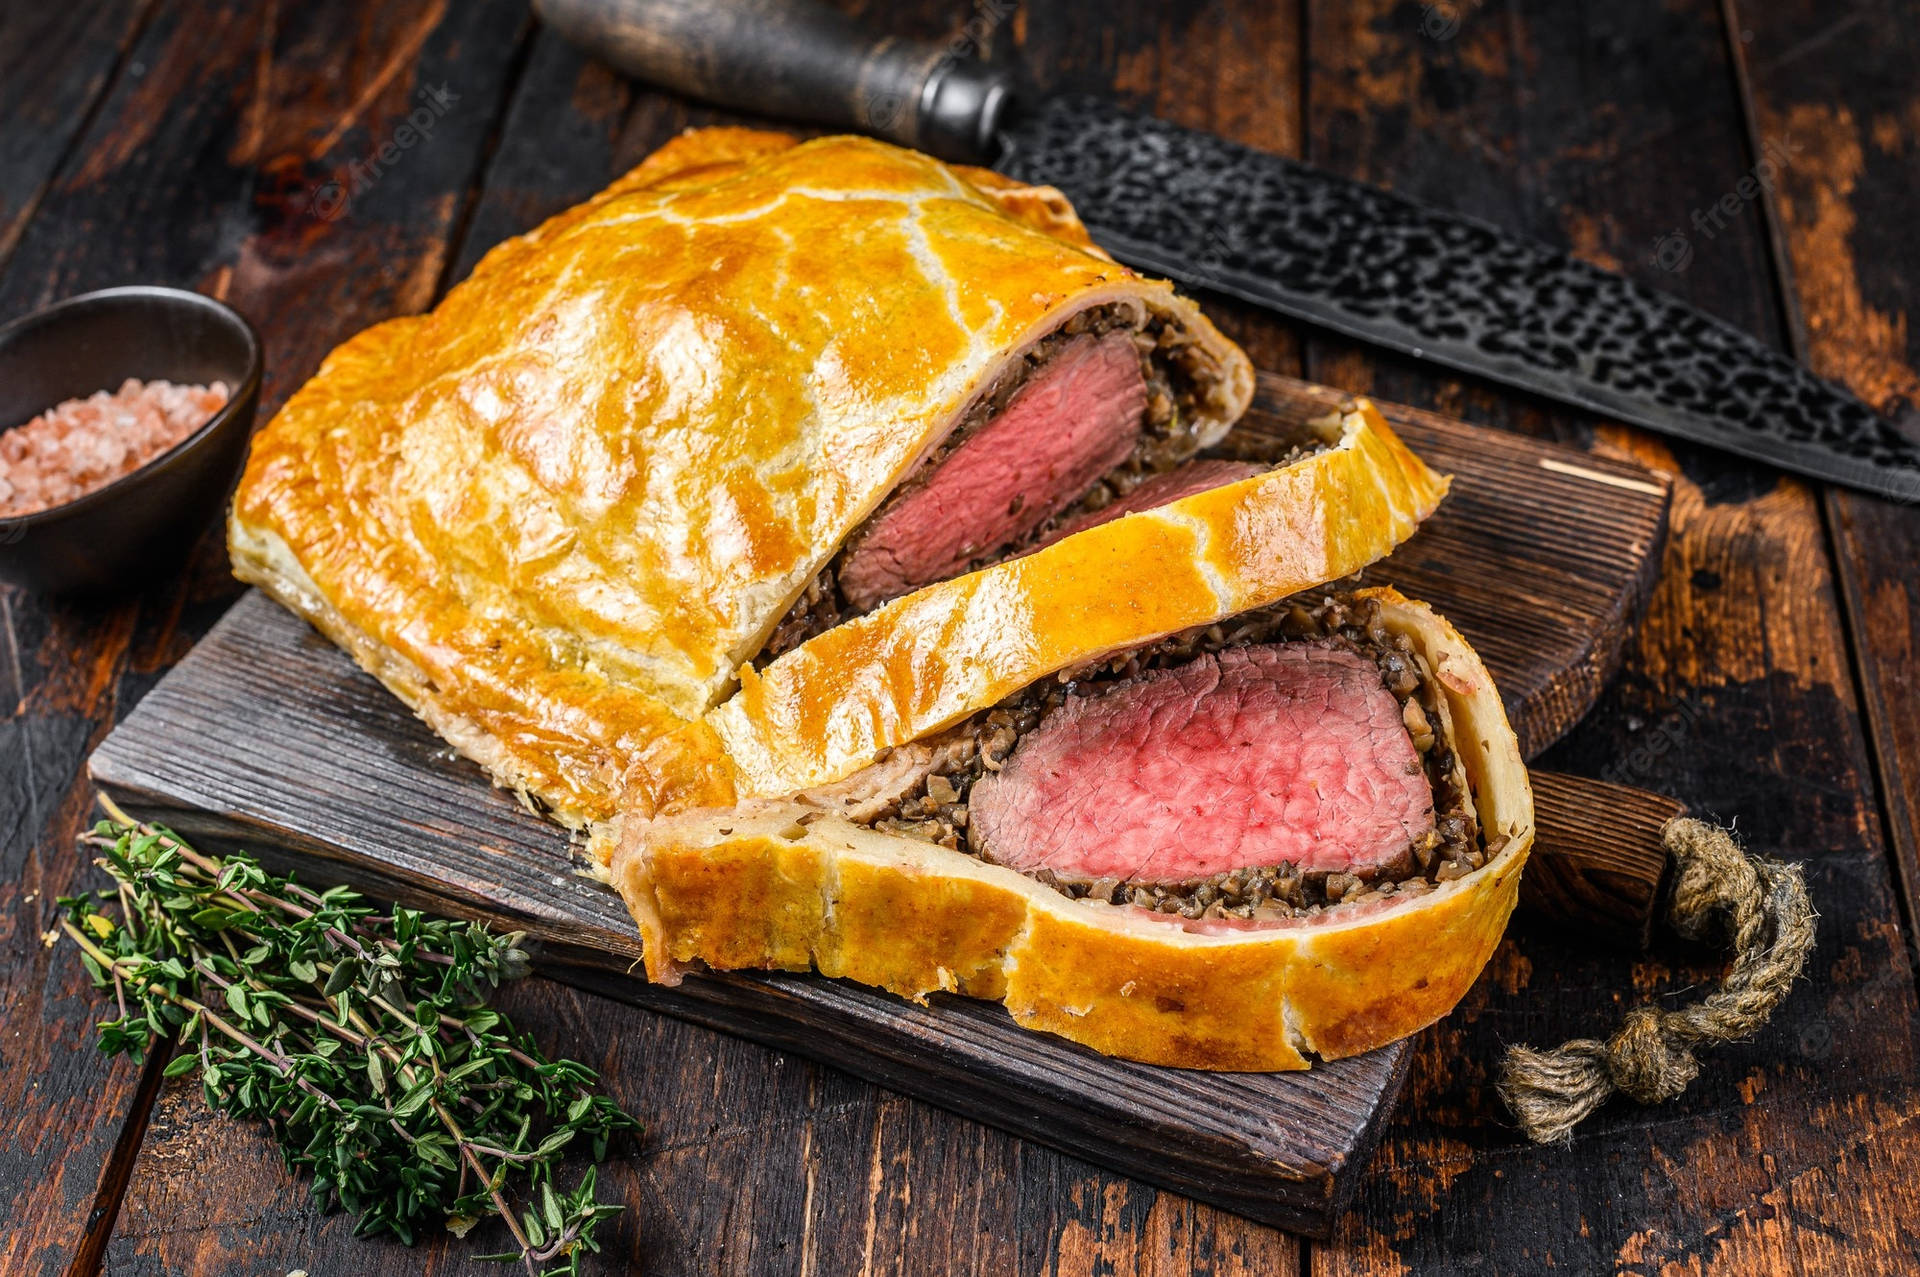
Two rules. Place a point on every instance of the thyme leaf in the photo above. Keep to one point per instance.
(361, 1039)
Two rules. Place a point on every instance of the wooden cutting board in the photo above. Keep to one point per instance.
(266, 736)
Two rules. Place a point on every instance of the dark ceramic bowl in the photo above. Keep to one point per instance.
(117, 536)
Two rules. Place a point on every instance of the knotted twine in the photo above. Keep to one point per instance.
(1652, 1057)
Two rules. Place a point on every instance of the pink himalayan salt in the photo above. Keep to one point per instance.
(82, 444)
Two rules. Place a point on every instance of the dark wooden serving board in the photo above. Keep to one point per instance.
(267, 736)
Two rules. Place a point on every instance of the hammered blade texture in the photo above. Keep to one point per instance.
(1217, 215)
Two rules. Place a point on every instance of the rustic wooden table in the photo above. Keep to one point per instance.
(237, 147)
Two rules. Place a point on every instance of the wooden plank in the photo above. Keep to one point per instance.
(64, 1103)
(793, 1137)
(68, 1144)
(1841, 200)
(1834, 111)
(1598, 878)
(1233, 70)
(1737, 698)
(55, 62)
(165, 185)
(755, 1161)
(565, 135)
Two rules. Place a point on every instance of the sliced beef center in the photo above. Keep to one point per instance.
(1078, 417)
(1154, 492)
(1277, 754)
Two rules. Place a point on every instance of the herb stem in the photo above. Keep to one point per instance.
(360, 1038)
(206, 1013)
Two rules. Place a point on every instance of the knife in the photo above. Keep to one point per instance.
(1216, 215)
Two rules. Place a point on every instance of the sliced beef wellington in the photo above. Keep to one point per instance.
(1345, 494)
(906, 420)
(556, 514)
(1095, 420)
(1297, 757)
(1124, 785)
(1294, 834)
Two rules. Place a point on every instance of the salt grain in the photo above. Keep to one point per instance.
(83, 444)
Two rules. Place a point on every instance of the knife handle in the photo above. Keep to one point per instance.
(798, 60)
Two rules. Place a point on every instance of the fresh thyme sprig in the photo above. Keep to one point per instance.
(361, 1039)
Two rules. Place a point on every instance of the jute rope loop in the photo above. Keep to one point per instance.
(1651, 1058)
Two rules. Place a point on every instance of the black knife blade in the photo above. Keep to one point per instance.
(1362, 261)
(1213, 214)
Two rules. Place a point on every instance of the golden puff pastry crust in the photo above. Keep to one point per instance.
(781, 883)
(558, 512)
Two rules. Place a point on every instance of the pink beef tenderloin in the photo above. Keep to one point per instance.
(1286, 753)
(1078, 418)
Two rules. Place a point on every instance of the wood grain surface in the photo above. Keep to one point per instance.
(1602, 130)
(1848, 138)
(206, 120)
(1598, 878)
(1773, 684)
